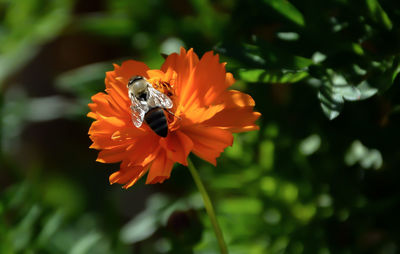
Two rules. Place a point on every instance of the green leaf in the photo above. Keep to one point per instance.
(27, 25)
(245, 205)
(331, 103)
(267, 148)
(310, 144)
(146, 223)
(349, 92)
(286, 9)
(384, 73)
(366, 91)
(23, 233)
(110, 26)
(273, 76)
(335, 90)
(378, 14)
(367, 158)
(50, 227)
(395, 70)
(84, 245)
(84, 81)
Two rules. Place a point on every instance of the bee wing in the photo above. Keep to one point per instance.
(138, 111)
(159, 99)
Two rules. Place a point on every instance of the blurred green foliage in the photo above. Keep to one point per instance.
(320, 176)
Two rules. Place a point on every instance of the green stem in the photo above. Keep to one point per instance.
(209, 207)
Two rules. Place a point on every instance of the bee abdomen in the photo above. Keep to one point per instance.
(157, 121)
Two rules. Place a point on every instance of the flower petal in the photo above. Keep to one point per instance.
(131, 68)
(198, 114)
(106, 125)
(207, 83)
(105, 105)
(120, 137)
(208, 142)
(128, 176)
(160, 169)
(177, 146)
(115, 154)
(238, 115)
(143, 149)
(183, 64)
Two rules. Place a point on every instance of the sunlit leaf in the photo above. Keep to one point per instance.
(272, 216)
(144, 224)
(368, 158)
(286, 9)
(268, 185)
(378, 14)
(52, 224)
(288, 192)
(27, 27)
(310, 145)
(84, 244)
(23, 233)
(267, 149)
(331, 103)
(335, 90)
(264, 76)
(341, 87)
(240, 206)
(111, 26)
(84, 81)
(304, 212)
(366, 91)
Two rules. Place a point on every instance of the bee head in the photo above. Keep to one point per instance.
(137, 84)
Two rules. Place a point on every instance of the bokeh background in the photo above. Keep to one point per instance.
(320, 176)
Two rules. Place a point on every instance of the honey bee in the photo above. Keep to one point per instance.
(148, 104)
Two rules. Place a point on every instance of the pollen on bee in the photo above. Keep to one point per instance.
(163, 86)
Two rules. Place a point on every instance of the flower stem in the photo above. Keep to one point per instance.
(209, 207)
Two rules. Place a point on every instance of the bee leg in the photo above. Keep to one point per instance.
(172, 113)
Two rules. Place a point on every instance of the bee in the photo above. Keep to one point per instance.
(148, 104)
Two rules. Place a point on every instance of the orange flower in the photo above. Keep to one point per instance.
(203, 117)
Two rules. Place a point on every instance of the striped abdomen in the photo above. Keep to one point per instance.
(157, 121)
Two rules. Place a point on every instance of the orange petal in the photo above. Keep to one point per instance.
(106, 142)
(238, 115)
(92, 115)
(107, 125)
(198, 114)
(229, 80)
(105, 105)
(156, 74)
(123, 102)
(142, 147)
(177, 146)
(160, 169)
(112, 155)
(131, 68)
(232, 98)
(128, 176)
(209, 78)
(207, 83)
(235, 119)
(120, 137)
(183, 64)
(133, 152)
(208, 142)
